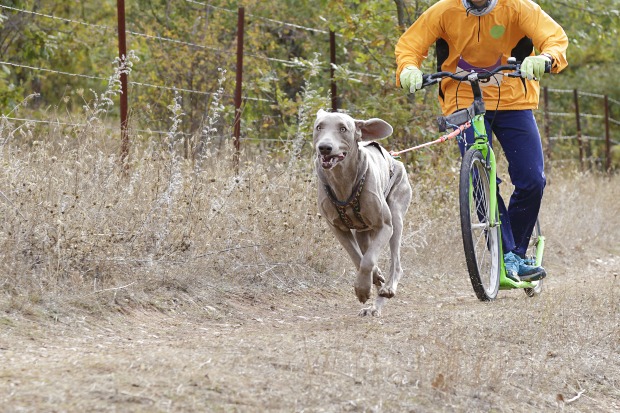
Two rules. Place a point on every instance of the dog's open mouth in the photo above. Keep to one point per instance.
(329, 161)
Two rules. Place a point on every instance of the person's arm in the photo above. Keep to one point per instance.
(547, 35)
(412, 47)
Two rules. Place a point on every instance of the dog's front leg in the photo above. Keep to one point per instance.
(350, 245)
(378, 239)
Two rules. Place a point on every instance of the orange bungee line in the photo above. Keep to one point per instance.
(443, 138)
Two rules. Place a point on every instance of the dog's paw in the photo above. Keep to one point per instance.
(377, 277)
(387, 292)
(362, 293)
(370, 311)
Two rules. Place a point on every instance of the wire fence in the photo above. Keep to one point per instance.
(594, 133)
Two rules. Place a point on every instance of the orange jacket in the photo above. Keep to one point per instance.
(483, 43)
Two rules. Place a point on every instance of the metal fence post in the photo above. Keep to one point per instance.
(547, 150)
(607, 136)
(332, 70)
(122, 52)
(238, 88)
(578, 123)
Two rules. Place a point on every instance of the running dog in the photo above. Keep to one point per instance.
(363, 194)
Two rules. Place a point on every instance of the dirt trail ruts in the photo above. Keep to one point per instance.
(436, 348)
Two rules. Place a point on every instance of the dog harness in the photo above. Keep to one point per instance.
(354, 199)
(353, 202)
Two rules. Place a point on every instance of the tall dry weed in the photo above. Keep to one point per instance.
(74, 224)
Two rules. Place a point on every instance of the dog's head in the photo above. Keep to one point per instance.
(336, 135)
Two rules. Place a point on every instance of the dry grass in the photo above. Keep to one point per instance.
(74, 222)
(254, 309)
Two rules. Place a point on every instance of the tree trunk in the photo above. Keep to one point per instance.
(400, 11)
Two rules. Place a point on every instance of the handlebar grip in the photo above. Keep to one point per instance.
(428, 80)
(547, 67)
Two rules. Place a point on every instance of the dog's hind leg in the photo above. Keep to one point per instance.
(388, 289)
(399, 209)
(375, 309)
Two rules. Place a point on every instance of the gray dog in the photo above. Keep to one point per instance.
(363, 194)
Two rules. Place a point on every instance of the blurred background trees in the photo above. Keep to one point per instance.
(184, 45)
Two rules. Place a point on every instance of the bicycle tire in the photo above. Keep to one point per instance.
(481, 242)
(531, 253)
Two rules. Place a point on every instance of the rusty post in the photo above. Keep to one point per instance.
(238, 88)
(122, 54)
(607, 137)
(547, 150)
(578, 124)
(332, 70)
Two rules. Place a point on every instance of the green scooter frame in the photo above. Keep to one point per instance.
(481, 144)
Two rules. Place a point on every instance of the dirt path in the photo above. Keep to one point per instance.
(436, 348)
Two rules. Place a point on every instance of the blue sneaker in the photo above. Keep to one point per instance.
(517, 270)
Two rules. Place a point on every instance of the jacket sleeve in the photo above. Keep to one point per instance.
(547, 35)
(412, 47)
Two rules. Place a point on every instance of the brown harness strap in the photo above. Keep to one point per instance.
(353, 202)
(354, 199)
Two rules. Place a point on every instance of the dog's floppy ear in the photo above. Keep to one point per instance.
(373, 129)
(320, 113)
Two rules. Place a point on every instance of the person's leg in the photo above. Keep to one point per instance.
(518, 134)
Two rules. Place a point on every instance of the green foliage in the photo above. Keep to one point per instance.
(184, 45)
(593, 28)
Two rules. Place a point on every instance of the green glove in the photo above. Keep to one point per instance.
(533, 67)
(411, 79)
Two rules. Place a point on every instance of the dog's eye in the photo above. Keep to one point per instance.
(343, 129)
(319, 127)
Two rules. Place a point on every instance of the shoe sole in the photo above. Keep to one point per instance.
(537, 276)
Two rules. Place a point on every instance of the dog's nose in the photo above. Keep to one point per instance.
(325, 149)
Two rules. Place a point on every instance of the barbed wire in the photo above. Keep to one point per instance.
(55, 17)
(301, 64)
(157, 132)
(596, 95)
(593, 95)
(295, 26)
(285, 24)
(53, 71)
(289, 63)
(56, 122)
(41, 121)
(583, 115)
(583, 137)
(100, 26)
(171, 88)
(584, 9)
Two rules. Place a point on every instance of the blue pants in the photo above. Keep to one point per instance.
(517, 133)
